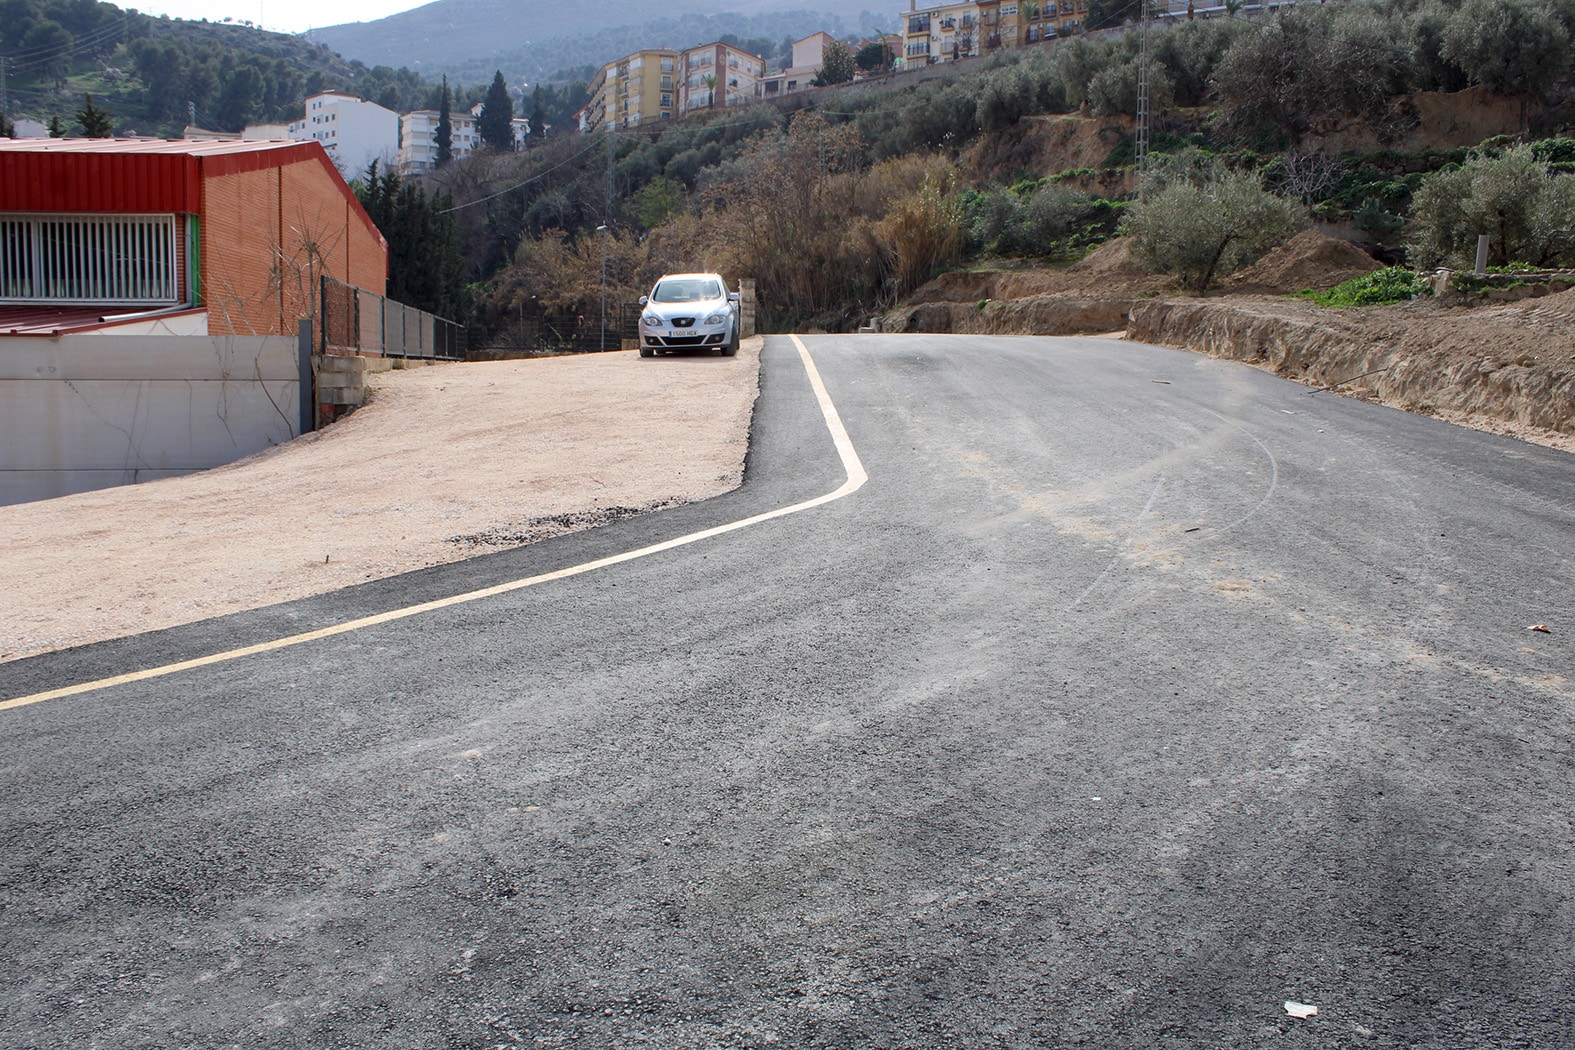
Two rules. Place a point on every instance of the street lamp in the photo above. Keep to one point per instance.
(603, 229)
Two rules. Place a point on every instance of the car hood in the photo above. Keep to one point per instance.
(700, 308)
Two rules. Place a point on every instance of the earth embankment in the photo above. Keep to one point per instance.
(1506, 367)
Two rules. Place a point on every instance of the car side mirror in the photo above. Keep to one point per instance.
(732, 297)
(644, 299)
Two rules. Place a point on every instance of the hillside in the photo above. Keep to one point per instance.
(152, 75)
(528, 39)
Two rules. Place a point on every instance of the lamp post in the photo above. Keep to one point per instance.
(603, 230)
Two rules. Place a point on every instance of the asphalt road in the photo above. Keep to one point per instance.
(1133, 695)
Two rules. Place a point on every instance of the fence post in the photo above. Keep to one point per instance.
(307, 399)
(746, 306)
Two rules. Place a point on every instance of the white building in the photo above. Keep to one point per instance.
(354, 132)
(808, 57)
(418, 137)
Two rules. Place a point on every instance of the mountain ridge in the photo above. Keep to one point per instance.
(450, 36)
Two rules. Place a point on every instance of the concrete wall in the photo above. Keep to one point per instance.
(87, 412)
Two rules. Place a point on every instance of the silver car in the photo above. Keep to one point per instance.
(689, 311)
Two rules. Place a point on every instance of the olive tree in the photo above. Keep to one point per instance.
(1517, 200)
(1309, 70)
(1511, 47)
(1199, 229)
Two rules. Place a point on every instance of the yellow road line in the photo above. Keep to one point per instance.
(856, 477)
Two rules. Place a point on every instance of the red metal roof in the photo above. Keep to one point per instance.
(131, 176)
(61, 320)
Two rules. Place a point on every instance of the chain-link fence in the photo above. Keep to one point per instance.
(571, 333)
(355, 320)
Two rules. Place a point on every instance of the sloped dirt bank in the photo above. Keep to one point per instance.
(1509, 369)
(1036, 315)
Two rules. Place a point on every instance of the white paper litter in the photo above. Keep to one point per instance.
(1302, 1010)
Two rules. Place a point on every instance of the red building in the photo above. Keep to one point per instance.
(224, 238)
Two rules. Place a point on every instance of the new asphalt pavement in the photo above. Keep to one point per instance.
(1134, 695)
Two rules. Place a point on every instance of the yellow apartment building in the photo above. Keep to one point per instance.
(641, 88)
(949, 31)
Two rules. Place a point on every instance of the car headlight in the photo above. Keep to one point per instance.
(652, 320)
(714, 319)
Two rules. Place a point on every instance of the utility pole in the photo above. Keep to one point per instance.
(605, 230)
(2, 83)
(603, 233)
(1142, 100)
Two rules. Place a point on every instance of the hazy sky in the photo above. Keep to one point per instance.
(284, 16)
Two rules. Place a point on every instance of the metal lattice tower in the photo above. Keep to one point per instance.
(1142, 100)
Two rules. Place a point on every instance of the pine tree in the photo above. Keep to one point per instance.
(538, 117)
(95, 122)
(495, 125)
(445, 128)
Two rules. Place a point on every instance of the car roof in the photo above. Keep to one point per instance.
(682, 276)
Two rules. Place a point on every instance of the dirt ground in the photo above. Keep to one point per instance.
(442, 463)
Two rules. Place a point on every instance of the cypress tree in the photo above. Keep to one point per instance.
(445, 128)
(495, 125)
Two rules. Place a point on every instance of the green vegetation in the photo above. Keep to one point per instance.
(153, 76)
(1395, 284)
(1526, 209)
(837, 65)
(847, 205)
(426, 266)
(1211, 223)
(495, 123)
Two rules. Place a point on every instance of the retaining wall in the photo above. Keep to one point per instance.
(86, 412)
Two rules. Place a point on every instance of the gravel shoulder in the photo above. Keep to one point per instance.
(443, 463)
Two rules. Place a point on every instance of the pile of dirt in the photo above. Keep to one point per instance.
(1113, 257)
(1308, 260)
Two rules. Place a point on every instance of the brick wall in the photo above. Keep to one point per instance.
(268, 234)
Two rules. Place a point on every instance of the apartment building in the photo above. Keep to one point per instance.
(738, 75)
(641, 88)
(352, 131)
(950, 31)
(809, 54)
(659, 84)
(418, 139)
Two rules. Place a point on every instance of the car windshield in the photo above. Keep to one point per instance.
(687, 290)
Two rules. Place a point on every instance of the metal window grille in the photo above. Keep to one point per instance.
(89, 259)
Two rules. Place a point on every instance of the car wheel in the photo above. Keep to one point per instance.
(731, 347)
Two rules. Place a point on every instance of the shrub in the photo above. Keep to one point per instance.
(1198, 229)
(1527, 211)
(1373, 219)
(921, 232)
(1396, 284)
